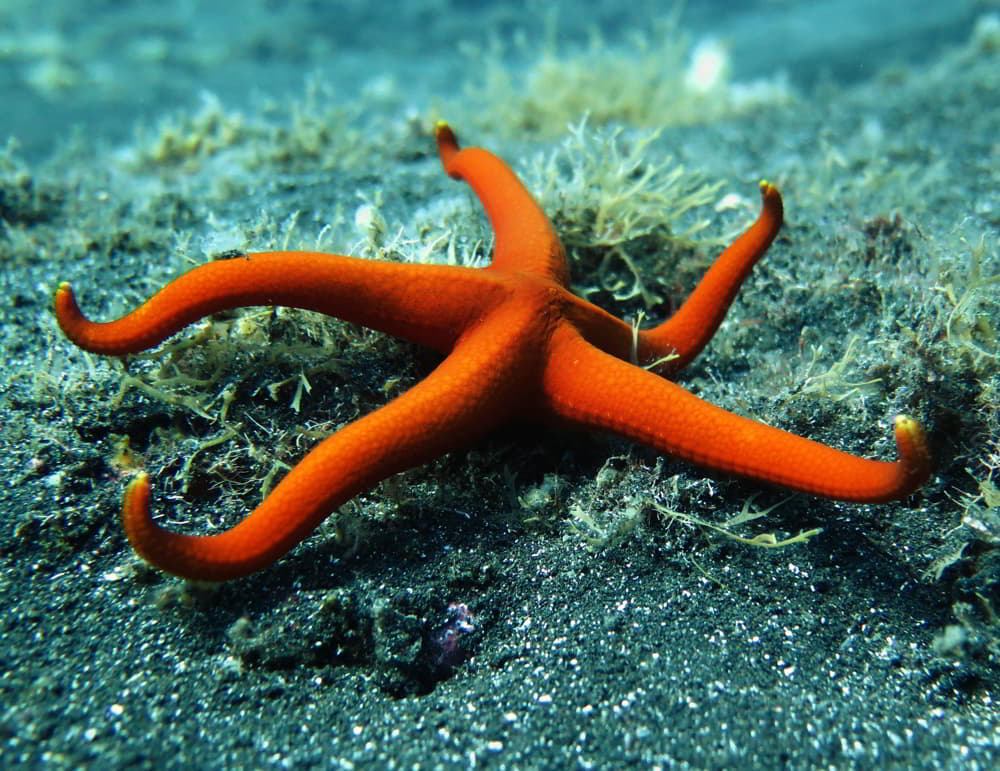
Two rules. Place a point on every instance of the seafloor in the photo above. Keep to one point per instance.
(548, 598)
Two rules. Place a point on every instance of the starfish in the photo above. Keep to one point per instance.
(517, 343)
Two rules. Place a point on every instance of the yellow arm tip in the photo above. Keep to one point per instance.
(63, 291)
(767, 189)
(443, 133)
(914, 451)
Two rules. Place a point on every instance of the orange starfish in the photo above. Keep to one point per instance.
(517, 343)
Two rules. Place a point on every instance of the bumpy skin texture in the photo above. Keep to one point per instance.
(516, 342)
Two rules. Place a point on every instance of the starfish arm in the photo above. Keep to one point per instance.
(525, 239)
(591, 388)
(479, 385)
(427, 304)
(688, 331)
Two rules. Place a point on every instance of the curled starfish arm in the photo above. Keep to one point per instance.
(525, 239)
(464, 397)
(591, 388)
(685, 333)
(428, 307)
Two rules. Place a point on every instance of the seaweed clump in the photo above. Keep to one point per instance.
(654, 78)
